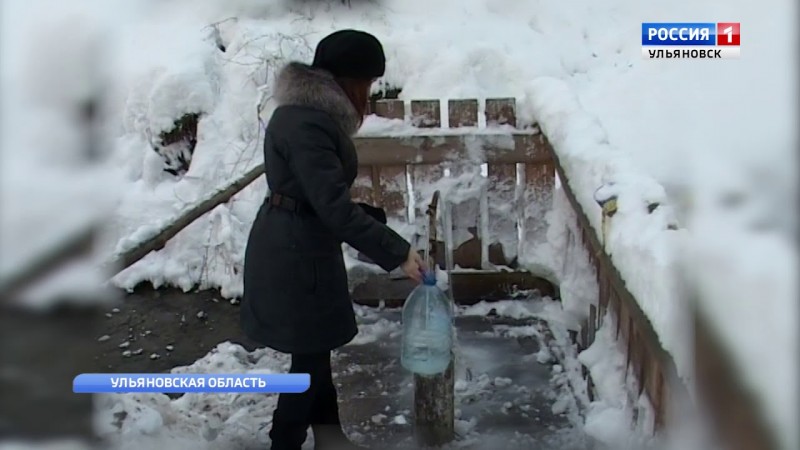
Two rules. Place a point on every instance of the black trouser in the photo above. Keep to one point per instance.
(317, 407)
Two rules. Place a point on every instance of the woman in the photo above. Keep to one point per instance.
(296, 296)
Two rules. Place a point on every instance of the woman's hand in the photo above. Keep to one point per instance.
(414, 266)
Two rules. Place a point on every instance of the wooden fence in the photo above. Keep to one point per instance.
(397, 172)
(732, 410)
(521, 167)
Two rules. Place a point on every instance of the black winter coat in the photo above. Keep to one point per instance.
(296, 297)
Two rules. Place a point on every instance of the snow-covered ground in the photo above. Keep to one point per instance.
(711, 141)
(507, 394)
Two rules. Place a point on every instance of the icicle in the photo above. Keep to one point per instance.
(447, 229)
(483, 233)
(519, 208)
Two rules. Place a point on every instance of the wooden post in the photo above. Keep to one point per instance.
(434, 396)
(434, 410)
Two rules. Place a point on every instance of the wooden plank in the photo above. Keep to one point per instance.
(592, 324)
(584, 335)
(503, 193)
(603, 284)
(434, 415)
(390, 109)
(644, 370)
(502, 190)
(462, 113)
(391, 187)
(622, 322)
(466, 214)
(469, 288)
(617, 313)
(501, 111)
(362, 189)
(633, 352)
(393, 192)
(424, 180)
(503, 204)
(639, 366)
(541, 179)
(538, 200)
(627, 338)
(520, 147)
(655, 390)
(424, 114)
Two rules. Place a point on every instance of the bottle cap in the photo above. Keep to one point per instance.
(429, 278)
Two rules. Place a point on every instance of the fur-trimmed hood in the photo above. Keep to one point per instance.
(299, 84)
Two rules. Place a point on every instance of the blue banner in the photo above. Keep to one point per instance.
(679, 34)
(120, 383)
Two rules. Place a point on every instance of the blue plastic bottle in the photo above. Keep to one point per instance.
(427, 329)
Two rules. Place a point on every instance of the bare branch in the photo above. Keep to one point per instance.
(157, 241)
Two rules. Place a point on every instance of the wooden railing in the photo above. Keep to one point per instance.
(653, 367)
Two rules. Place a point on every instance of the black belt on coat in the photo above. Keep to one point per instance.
(295, 206)
(289, 204)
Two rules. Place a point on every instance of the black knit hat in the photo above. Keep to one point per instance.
(351, 54)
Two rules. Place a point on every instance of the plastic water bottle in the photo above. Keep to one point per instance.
(427, 329)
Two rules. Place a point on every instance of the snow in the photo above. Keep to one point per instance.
(400, 420)
(498, 136)
(372, 332)
(608, 419)
(53, 185)
(683, 134)
(752, 284)
(563, 260)
(65, 444)
(483, 391)
(511, 308)
(154, 419)
(640, 243)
